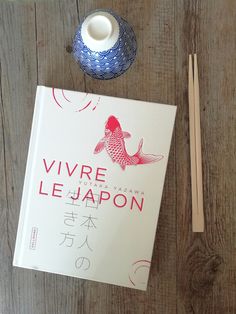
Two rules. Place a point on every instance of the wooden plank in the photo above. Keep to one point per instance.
(56, 22)
(152, 78)
(206, 262)
(18, 79)
(25, 291)
(5, 247)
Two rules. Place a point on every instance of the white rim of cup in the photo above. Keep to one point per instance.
(100, 31)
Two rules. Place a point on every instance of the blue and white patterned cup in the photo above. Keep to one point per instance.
(104, 45)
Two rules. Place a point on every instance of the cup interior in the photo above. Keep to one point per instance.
(99, 28)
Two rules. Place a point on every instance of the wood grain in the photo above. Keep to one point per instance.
(18, 79)
(56, 22)
(191, 273)
(206, 262)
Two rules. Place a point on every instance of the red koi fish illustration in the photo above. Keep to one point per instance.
(114, 143)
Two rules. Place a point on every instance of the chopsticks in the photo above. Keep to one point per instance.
(195, 146)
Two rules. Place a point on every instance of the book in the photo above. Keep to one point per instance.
(93, 186)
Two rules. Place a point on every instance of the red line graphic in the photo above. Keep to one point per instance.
(63, 94)
(141, 266)
(96, 103)
(142, 260)
(86, 106)
(131, 281)
(53, 94)
(68, 100)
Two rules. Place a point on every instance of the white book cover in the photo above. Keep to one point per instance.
(93, 186)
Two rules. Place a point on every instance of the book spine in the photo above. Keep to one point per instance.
(31, 159)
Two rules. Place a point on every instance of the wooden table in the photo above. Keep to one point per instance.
(191, 273)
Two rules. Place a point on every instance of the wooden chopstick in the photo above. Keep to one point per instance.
(195, 147)
(192, 144)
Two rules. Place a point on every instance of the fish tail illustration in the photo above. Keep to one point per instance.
(146, 158)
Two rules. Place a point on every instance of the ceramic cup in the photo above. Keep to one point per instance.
(104, 45)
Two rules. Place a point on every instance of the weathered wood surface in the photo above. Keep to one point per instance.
(191, 273)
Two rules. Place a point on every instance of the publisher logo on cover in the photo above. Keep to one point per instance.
(33, 238)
